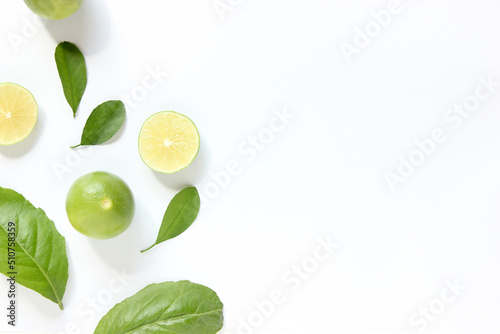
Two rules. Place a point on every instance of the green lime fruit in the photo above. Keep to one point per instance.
(54, 9)
(100, 205)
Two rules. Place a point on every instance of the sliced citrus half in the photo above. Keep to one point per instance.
(168, 142)
(18, 113)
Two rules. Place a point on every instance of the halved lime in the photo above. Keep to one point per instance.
(18, 113)
(168, 142)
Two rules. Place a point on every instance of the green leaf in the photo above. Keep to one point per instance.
(103, 123)
(73, 73)
(180, 214)
(40, 258)
(169, 307)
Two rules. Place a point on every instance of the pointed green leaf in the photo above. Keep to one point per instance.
(40, 260)
(169, 307)
(73, 73)
(103, 123)
(180, 214)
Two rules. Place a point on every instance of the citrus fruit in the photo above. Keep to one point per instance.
(18, 113)
(54, 9)
(168, 142)
(100, 205)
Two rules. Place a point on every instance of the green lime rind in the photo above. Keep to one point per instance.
(194, 156)
(100, 205)
(36, 119)
(54, 9)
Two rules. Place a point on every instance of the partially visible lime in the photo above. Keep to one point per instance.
(168, 142)
(100, 205)
(18, 113)
(54, 9)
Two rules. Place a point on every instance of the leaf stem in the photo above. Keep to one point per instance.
(145, 250)
(75, 146)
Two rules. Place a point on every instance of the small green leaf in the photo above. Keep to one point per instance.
(103, 123)
(73, 73)
(180, 214)
(37, 258)
(169, 307)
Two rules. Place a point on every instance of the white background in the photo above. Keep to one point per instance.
(322, 176)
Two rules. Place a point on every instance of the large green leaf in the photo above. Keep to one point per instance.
(73, 73)
(180, 214)
(41, 263)
(171, 307)
(103, 123)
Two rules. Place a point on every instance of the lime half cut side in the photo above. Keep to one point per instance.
(18, 113)
(168, 142)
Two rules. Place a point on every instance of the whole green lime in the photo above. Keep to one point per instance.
(54, 9)
(100, 205)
